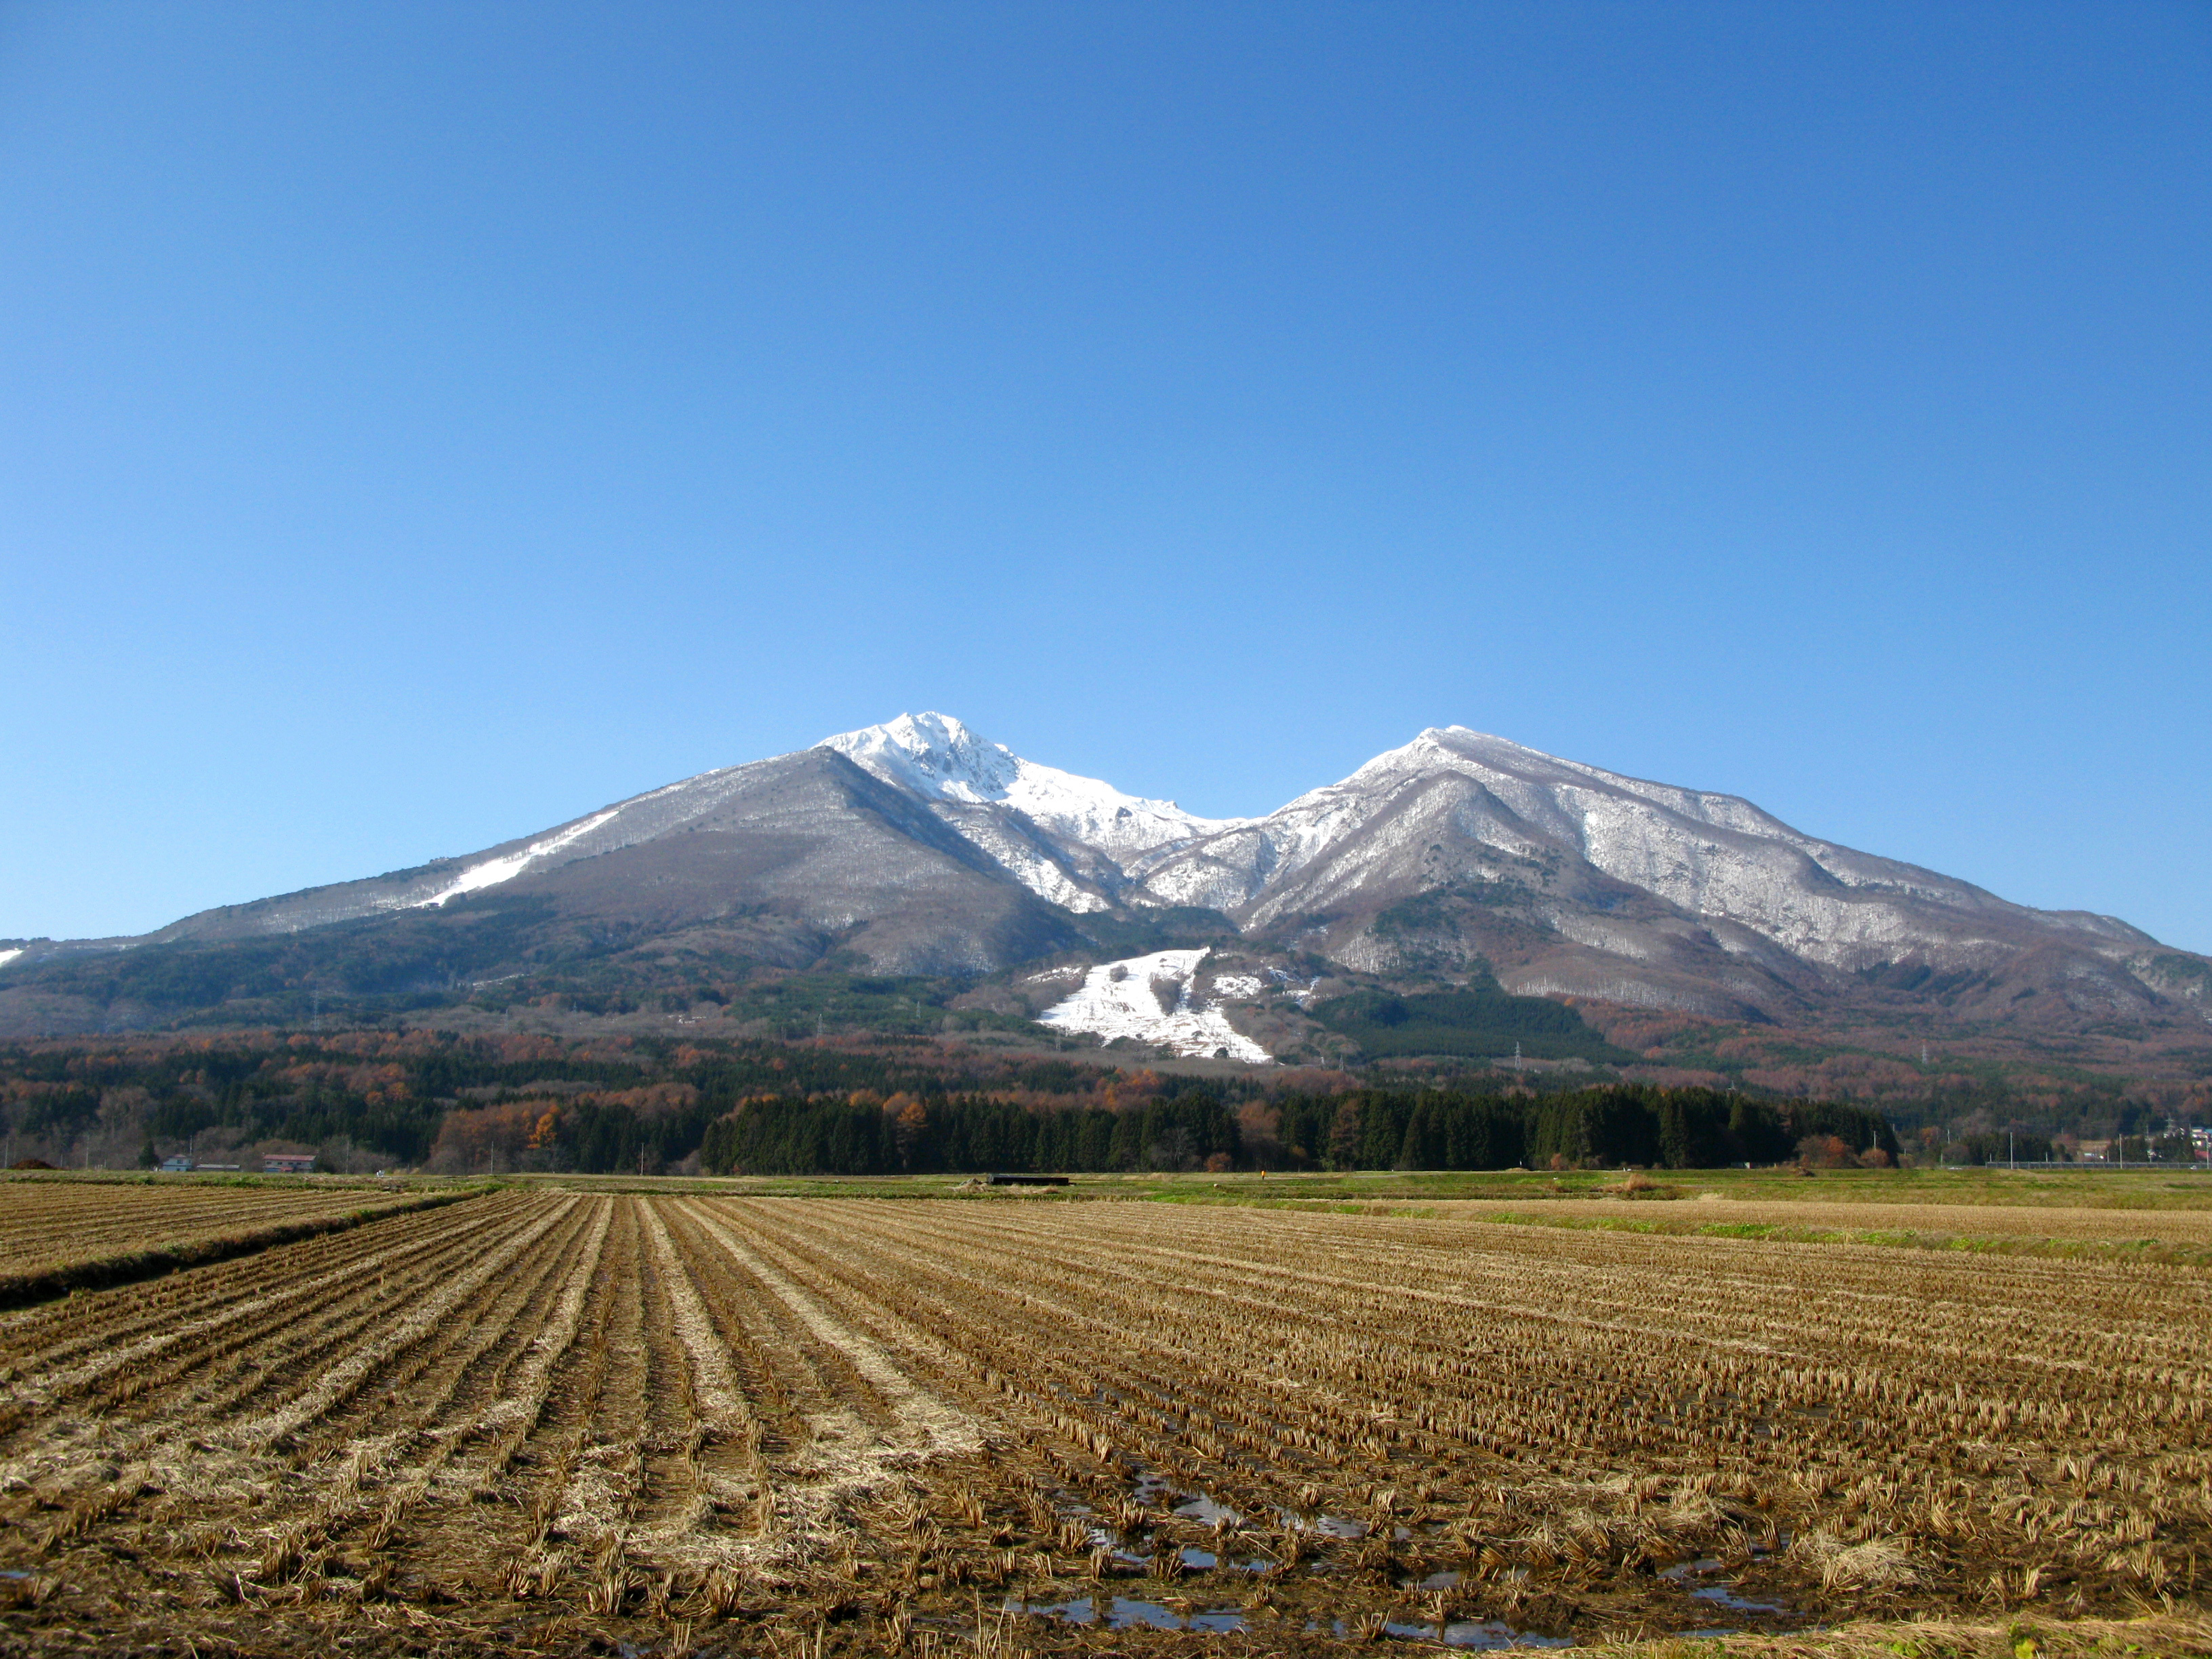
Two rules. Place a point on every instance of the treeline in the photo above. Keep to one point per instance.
(1669, 1128)
(1363, 1129)
(1991, 1146)
(511, 1102)
(965, 1134)
(389, 1095)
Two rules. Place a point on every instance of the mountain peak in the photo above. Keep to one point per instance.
(938, 756)
(1554, 875)
(934, 754)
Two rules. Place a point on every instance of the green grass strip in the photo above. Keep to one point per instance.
(2073, 1250)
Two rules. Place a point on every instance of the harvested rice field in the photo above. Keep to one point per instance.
(562, 1421)
(2188, 1229)
(58, 1235)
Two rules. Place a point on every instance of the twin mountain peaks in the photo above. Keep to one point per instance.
(920, 847)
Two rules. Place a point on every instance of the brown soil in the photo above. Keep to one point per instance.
(536, 1422)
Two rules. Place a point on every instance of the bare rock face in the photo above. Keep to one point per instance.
(919, 847)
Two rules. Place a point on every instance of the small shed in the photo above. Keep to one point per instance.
(288, 1163)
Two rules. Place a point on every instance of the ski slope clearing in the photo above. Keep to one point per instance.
(1153, 999)
(492, 871)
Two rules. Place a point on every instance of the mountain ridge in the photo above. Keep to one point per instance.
(917, 845)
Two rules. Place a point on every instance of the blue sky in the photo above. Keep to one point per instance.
(423, 424)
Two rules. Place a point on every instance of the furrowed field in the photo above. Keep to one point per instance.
(59, 1235)
(541, 1420)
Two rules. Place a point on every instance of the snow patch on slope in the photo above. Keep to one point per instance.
(492, 871)
(7, 957)
(1149, 998)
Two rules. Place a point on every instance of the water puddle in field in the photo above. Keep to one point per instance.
(1123, 1613)
(1328, 1526)
(1207, 1510)
(1461, 1633)
(1154, 1493)
(1475, 1633)
(1723, 1595)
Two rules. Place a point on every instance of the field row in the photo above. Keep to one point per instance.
(606, 1409)
(48, 1227)
(2174, 1226)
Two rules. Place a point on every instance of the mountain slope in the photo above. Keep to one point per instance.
(781, 861)
(1069, 839)
(1587, 882)
(917, 847)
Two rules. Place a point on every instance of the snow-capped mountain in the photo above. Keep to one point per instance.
(1575, 879)
(1714, 855)
(1065, 838)
(919, 847)
(778, 860)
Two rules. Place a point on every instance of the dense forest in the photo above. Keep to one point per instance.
(374, 1098)
(1479, 1018)
(1974, 1096)
(1197, 1129)
(873, 1104)
(1355, 1129)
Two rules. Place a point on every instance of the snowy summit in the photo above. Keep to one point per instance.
(935, 756)
(1559, 878)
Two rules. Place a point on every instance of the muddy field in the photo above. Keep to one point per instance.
(532, 1421)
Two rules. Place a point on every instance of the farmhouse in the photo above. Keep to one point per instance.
(288, 1163)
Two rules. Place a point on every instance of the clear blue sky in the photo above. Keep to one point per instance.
(423, 424)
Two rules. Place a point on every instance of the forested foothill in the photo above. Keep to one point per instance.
(850, 1105)
(1957, 1089)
